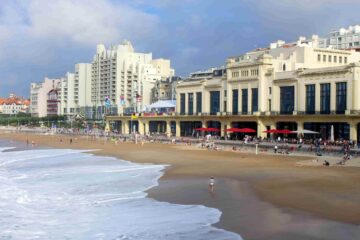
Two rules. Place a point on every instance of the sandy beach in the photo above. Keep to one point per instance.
(261, 196)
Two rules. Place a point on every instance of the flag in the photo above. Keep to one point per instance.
(122, 100)
(107, 102)
(138, 97)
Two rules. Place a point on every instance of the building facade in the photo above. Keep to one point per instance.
(288, 86)
(52, 103)
(14, 105)
(39, 96)
(343, 38)
(164, 89)
(125, 78)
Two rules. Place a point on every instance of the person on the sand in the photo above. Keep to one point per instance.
(212, 184)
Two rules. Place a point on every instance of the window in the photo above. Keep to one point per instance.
(225, 93)
(329, 58)
(182, 103)
(198, 102)
(324, 58)
(270, 90)
(235, 101)
(190, 103)
(269, 105)
(214, 102)
(340, 59)
(287, 100)
(325, 98)
(244, 93)
(310, 99)
(319, 58)
(341, 97)
(335, 59)
(345, 60)
(254, 99)
(284, 67)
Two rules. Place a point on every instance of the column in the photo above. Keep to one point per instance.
(353, 131)
(168, 128)
(317, 97)
(300, 125)
(229, 98)
(275, 101)
(141, 126)
(125, 127)
(146, 126)
(261, 127)
(177, 128)
(332, 96)
(223, 128)
(249, 99)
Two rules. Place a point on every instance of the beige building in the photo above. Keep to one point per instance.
(286, 86)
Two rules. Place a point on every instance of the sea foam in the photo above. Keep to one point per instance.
(71, 194)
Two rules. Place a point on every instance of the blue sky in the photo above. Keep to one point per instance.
(42, 38)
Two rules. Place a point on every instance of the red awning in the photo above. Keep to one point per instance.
(271, 131)
(283, 131)
(232, 130)
(247, 130)
(207, 129)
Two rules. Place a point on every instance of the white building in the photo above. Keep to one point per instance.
(75, 91)
(343, 38)
(14, 105)
(125, 77)
(39, 94)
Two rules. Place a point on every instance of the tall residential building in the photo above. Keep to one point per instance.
(75, 92)
(39, 96)
(125, 78)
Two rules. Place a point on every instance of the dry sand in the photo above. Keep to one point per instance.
(261, 196)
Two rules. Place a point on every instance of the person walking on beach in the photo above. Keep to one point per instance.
(212, 184)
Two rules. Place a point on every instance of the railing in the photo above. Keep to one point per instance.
(263, 113)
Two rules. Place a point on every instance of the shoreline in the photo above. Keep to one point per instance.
(249, 188)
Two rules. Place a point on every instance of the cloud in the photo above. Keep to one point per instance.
(83, 22)
(40, 37)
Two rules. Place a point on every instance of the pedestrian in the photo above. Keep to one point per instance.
(212, 184)
(275, 149)
(70, 140)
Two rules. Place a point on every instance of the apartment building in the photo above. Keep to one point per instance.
(39, 96)
(343, 38)
(125, 77)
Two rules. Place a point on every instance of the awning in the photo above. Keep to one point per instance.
(305, 131)
(163, 104)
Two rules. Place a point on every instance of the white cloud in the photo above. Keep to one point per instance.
(86, 21)
(81, 23)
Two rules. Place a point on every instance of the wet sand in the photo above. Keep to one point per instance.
(261, 196)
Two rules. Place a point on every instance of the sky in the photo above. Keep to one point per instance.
(42, 38)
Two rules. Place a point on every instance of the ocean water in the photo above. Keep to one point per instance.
(70, 194)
